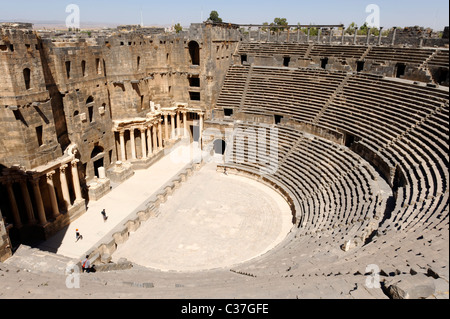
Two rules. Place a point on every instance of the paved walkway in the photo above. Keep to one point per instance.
(119, 203)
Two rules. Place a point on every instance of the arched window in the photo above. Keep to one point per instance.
(138, 63)
(194, 52)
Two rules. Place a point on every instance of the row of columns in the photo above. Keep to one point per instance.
(330, 36)
(41, 214)
(152, 136)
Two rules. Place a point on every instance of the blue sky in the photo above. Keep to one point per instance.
(431, 13)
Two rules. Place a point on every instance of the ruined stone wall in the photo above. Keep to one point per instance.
(27, 124)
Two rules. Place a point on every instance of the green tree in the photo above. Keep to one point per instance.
(178, 28)
(214, 16)
(279, 22)
(351, 28)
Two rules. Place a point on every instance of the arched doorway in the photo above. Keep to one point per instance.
(194, 52)
(219, 147)
(97, 156)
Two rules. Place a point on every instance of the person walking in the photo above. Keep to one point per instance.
(78, 235)
(105, 218)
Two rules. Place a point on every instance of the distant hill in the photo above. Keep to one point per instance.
(61, 25)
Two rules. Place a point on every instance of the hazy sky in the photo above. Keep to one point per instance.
(431, 13)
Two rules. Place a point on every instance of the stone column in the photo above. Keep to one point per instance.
(172, 116)
(122, 146)
(355, 35)
(259, 34)
(166, 127)
(149, 141)
(51, 190)
(64, 186)
(393, 36)
(379, 36)
(298, 35)
(308, 35)
(201, 129)
(331, 35)
(178, 124)
(27, 201)
(368, 36)
(160, 134)
(318, 35)
(39, 203)
(133, 144)
(155, 141)
(76, 181)
(268, 34)
(143, 142)
(343, 36)
(13, 203)
(185, 128)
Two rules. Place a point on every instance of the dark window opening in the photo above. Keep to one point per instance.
(278, 119)
(3, 48)
(27, 78)
(11, 47)
(359, 66)
(194, 96)
(228, 112)
(442, 76)
(68, 69)
(243, 58)
(323, 63)
(91, 113)
(104, 67)
(219, 147)
(194, 52)
(39, 132)
(194, 82)
(76, 113)
(349, 140)
(400, 69)
(121, 43)
(286, 61)
(83, 67)
(138, 62)
(97, 64)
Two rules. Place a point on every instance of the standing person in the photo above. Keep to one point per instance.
(225, 171)
(78, 235)
(105, 218)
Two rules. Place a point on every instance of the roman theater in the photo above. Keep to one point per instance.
(232, 161)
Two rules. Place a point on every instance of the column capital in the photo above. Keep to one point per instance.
(75, 162)
(50, 175)
(63, 168)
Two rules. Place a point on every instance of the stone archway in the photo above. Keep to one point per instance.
(194, 52)
(97, 159)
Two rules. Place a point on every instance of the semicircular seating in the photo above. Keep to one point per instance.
(404, 125)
